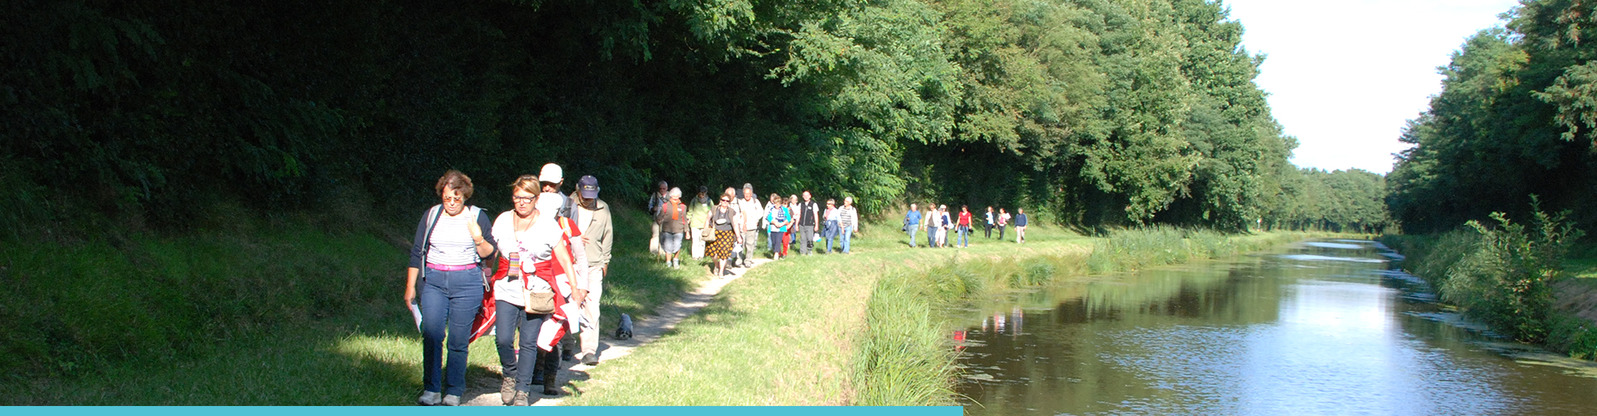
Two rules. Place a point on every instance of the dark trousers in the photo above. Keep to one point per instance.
(508, 319)
(989, 230)
(1001, 232)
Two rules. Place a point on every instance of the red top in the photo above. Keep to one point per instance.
(964, 218)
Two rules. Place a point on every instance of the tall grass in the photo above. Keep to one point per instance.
(902, 358)
(1137, 248)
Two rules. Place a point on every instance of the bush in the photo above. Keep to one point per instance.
(1506, 280)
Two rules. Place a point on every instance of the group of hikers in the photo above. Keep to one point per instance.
(937, 222)
(538, 269)
(546, 261)
(727, 228)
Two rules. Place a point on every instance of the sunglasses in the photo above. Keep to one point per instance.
(523, 199)
(453, 199)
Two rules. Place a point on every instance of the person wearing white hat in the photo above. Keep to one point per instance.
(551, 177)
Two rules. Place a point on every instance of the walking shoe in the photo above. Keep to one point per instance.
(428, 398)
(507, 390)
(521, 399)
(591, 359)
(451, 400)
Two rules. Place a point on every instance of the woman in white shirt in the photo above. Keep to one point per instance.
(516, 230)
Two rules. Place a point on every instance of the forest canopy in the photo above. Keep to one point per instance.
(1087, 112)
(1517, 117)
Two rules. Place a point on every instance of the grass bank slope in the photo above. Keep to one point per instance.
(246, 311)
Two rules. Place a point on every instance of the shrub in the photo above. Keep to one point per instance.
(1506, 280)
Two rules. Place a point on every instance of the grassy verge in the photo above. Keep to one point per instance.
(250, 311)
(861, 329)
(1463, 268)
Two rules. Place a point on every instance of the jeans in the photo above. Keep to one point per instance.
(913, 228)
(989, 230)
(829, 233)
(670, 243)
(777, 242)
(507, 320)
(931, 236)
(964, 236)
(1001, 231)
(449, 302)
(848, 233)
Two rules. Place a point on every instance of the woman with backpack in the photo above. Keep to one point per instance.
(446, 275)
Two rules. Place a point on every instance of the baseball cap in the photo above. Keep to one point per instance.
(588, 186)
(551, 173)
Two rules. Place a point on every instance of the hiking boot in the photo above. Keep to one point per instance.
(521, 399)
(591, 359)
(507, 390)
(550, 384)
(428, 398)
(451, 400)
(551, 372)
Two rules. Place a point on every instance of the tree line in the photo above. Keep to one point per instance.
(1087, 112)
(1515, 120)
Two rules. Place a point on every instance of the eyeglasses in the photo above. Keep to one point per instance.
(453, 199)
(523, 199)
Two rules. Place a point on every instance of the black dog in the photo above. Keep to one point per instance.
(624, 331)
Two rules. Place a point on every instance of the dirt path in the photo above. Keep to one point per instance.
(484, 391)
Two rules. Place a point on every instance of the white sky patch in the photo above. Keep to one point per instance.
(1343, 77)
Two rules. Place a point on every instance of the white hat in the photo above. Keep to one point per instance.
(551, 173)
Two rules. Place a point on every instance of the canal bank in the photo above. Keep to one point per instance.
(1561, 311)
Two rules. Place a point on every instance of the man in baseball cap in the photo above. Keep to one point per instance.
(593, 218)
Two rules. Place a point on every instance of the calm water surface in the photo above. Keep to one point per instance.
(1322, 327)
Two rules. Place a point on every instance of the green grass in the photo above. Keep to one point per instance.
(247, 312)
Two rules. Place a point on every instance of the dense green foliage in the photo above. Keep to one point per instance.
(1503, 274)
(1515, 117)
(1089, 112)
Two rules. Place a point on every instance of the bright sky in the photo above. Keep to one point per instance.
(1344, 76)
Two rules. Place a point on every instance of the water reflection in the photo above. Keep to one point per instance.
(1302, 331)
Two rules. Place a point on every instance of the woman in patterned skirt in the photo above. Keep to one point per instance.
(722, 217)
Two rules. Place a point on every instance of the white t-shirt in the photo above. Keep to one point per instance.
(510, 241)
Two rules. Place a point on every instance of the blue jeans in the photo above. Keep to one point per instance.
(931, 237)
(913, 228)
(775, 239)
(829, 233)
(848, 233)
(964, 233)
(508, 319)
(449, 302)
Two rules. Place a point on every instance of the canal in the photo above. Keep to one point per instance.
(1321, 327)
